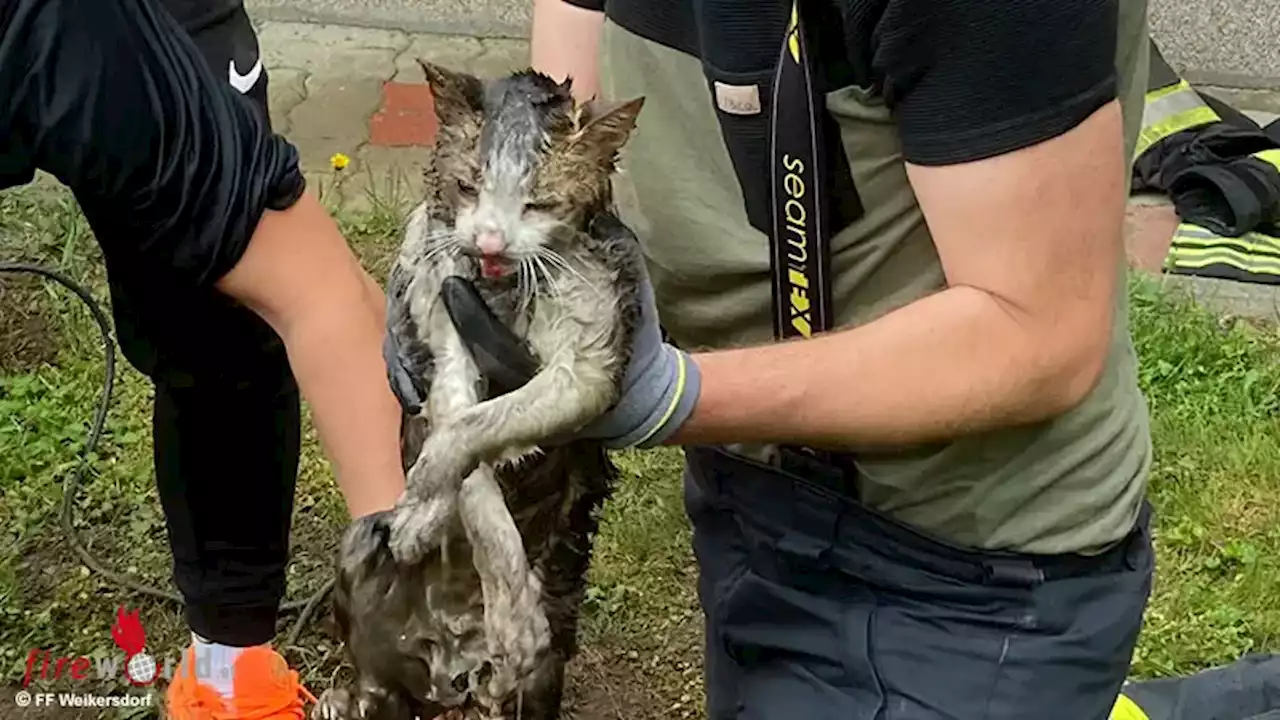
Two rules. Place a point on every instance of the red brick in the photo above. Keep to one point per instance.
(407, 117)
(1149, 234)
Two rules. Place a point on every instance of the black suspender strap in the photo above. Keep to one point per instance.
(800, 254)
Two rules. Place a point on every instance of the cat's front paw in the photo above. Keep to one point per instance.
(416, 526)
(443, 463)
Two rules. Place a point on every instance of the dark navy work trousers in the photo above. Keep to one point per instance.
(818, 608)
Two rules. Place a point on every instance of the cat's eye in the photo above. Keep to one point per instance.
(468, 190)
(542, 207)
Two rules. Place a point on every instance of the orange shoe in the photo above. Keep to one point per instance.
(265, 689)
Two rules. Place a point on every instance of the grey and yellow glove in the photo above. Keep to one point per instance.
(657, 392)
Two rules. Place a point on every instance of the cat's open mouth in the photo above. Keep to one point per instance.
(494, 266)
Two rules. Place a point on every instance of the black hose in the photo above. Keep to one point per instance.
(72, 485)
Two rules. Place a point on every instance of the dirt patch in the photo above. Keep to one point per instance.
(610, 683)
(27, 332)
(605, 685)
(42, 568)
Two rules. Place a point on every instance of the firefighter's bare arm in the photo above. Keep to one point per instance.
(1020, 334)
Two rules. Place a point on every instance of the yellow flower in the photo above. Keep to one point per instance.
(339, 161)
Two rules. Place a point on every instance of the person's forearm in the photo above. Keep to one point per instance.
(564, 43)
(299, 274)
(953, 363)
(336, 355)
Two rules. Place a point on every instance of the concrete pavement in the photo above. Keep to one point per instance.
(359, 92)
(477, 18)
(1222, 42)
(1227, 42)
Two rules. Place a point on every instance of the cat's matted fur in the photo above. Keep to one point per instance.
(466, 596)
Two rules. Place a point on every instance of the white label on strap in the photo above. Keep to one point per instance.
(738, 99)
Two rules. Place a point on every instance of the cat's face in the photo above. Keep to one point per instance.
(518, 163)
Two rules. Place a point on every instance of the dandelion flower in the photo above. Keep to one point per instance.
(339, 161)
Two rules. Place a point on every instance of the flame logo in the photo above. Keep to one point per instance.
(128, 633)
(140, 668)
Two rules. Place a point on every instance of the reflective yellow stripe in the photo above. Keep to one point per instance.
(1126, 709)
(1170, 110)
(1195, 247)
(1188, 259)
(1269, 156)
(1194, 236)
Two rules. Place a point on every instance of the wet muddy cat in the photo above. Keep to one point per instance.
(466, 596)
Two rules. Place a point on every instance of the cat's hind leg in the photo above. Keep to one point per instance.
(515, 624)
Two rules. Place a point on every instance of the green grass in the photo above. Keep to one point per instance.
(1213, 388)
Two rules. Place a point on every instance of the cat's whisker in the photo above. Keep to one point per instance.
(437, 238)
(533, 283)
(526, 285)
(554, 257)
(441, 233)
(446, 246)
(558, 260)
(536, 273)
(449, 248)
(553, 285)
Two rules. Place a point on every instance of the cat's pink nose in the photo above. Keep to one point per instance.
(490, 242)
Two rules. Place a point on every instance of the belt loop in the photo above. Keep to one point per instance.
(1012, 571)
(817, 467)
(707, 474)
(815, 517)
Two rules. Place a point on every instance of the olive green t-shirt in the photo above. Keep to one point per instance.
(1071, 484)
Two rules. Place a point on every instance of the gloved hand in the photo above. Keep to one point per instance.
(404, 384)
(500, 356)
(658, 390)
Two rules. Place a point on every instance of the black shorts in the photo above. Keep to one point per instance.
(172, 166)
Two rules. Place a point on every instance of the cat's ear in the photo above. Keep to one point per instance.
(606, 126)
(456, 95)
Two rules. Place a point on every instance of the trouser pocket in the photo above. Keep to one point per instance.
(779, 639)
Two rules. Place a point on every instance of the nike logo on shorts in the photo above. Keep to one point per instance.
(244, 83)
